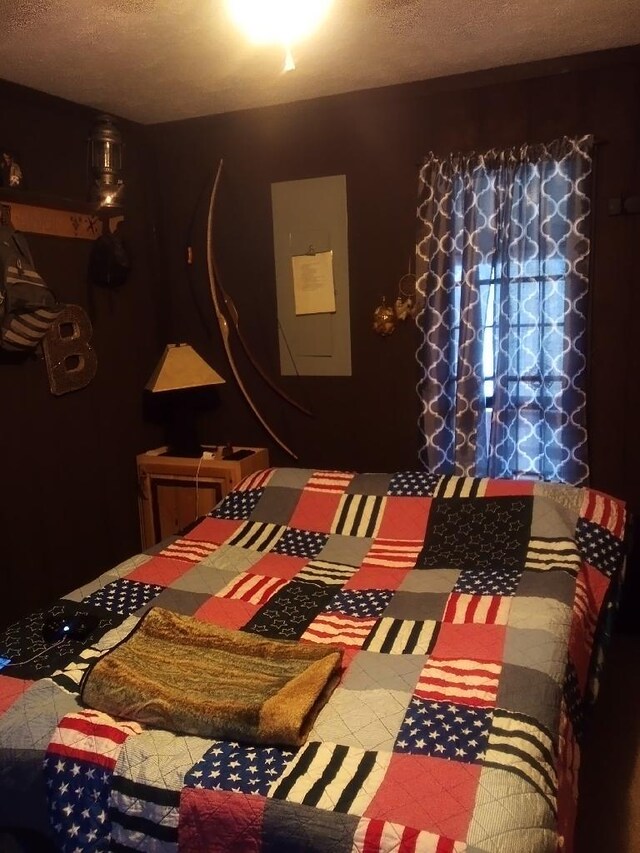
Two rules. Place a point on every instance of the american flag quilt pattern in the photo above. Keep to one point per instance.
(469, 612)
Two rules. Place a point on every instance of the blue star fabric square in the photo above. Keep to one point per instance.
(78, 793)
(301, 543)
(481, 581)
(366, 602)
(239, 767)
(598, 546)
(444, 730)
(238, 505)
(123, 597)
(417, 484)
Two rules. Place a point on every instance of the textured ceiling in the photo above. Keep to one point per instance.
(160, 60)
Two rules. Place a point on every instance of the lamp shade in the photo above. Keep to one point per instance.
(181, 367)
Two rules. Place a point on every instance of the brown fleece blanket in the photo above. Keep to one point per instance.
(177, 673)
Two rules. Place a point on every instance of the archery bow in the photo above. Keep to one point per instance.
(224, 326)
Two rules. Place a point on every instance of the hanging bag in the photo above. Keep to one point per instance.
(28, 307)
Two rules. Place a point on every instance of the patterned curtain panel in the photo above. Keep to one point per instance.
(502, 264)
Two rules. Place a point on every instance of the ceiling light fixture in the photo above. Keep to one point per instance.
(282, 22)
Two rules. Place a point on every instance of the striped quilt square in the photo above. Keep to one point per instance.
(444, 729)
(143, 816)
(339, 629)
(381, 836)
(189, 550)
(359, 515)
(549, 555)
(333, 777)
(520, 745)
(257, 536)
(241, 768)
(253, 482)
(256, 589)
(402, 637)
(461, 487)
(328, 482)
(325, 572)
(393, 553)
(604, 511)
(463, 681)
(478, 609)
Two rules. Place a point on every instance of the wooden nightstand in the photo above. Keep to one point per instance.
(175, 490)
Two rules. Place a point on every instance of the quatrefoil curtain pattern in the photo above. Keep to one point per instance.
(502, 261)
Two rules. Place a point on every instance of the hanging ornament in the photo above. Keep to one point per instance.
(405, 303)
(384, 319)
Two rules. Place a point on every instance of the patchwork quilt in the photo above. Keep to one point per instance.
(470, 615)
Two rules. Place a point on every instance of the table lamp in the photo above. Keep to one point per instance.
(179, 375)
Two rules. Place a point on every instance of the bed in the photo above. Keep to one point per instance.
(471, 615)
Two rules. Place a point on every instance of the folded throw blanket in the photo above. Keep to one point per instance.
(177, 673)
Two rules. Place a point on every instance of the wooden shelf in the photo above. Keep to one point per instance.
(36, 213)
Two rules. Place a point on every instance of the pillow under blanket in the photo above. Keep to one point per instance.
(175, 672)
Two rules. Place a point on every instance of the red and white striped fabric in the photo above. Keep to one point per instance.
(255, 481)
(190, 550)
(377, 836)
(256, 589)
(393, 553)
(605, 511)
(477, 609)
(329, 482)
(467, 681)
(339, 629)
(91, 736)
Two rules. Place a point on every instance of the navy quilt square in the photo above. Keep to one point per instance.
(238, 505)
(360, 602)
(480, 533)
(598, 546)
(123, 597)
(301, 543)
(238, 767)
(445, 730)
(290, 610)
(413, 484)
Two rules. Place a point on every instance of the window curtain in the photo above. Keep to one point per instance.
(502, 276)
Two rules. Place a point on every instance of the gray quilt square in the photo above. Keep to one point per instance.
(276, 505)
(420, 606)
(345, 550)
(537, 650)
(551, 519)
(370, 670)
(215, 571)
(528, 691)
(290, 478)
(369, 484)
(557, 585)
(292, 826)
(435, 580)
(367, 719)
(158, 758)
(118, 572)
(504, 799)
(31, 720)
(178, 600)
(541, 614)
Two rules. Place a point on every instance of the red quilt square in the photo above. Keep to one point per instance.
(374, 577)
(428, 793)
(501, 488)
(405, 518)
(226, 612)
(215, 530)
(227, 820)
(160, 570)
(591, 588)
(485, 642)
(315, 511)
(279, 565)
(11, 689)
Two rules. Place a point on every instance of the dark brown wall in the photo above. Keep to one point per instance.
(377, 138)
(67, 464)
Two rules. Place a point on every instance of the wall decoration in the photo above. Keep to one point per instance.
(10, 171)
(384, 319)
(71, 360)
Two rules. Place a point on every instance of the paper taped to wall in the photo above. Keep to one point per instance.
(313, 284)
